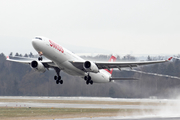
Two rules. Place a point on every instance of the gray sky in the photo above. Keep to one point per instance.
(114, 26)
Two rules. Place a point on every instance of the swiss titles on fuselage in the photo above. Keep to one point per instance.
(56, 46)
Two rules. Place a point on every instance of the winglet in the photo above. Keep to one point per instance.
(7, 57)
(169, 59)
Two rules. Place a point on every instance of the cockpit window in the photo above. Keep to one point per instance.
(38, 38)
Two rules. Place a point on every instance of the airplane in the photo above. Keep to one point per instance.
(61, 59)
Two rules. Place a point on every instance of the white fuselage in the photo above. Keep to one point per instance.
(62, 57)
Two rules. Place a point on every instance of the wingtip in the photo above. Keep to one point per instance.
(7, 57)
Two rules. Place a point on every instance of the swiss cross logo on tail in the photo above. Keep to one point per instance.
(112, 59)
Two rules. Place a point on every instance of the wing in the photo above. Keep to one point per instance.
(123, 78)
(119, 65)
(176, 58)
(47, 63)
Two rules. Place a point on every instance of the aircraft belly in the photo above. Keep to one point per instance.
(60, 60)
(70, 69)
(99, 77)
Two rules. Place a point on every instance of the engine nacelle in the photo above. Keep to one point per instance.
(37, 66)
(90, 67)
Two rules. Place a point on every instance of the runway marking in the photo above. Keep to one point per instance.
(85, 102)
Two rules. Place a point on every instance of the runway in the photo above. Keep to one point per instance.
(136, 118)
(143, 109)
(63, 105)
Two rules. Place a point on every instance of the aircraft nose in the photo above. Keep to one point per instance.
(33, 42)
(36, 44)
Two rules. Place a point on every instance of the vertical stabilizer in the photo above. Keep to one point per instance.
(112, 59)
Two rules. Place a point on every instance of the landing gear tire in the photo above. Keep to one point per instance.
(91, 82)
(57, 77)
(87, 82)
(59, 81)
(40, 58)
(87, 78)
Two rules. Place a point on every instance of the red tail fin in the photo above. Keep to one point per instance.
(112, 59)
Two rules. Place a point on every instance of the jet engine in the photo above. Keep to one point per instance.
(37, 66)
(90, 67)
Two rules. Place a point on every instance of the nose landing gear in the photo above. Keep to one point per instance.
(40, 54)
(40, 58)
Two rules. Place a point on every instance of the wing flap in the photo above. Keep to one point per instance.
(123, 78)
(26, 60)
(119, 65)
(104, 65)
(19, 59)
(78, 64)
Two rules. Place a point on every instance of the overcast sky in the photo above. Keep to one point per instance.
(112, 26)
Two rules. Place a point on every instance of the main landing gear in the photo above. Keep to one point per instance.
(58, 77)
(88, 80)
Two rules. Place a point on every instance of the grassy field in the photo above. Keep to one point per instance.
(52, 113)
(26, 113)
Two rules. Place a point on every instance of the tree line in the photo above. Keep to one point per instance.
(18, 79)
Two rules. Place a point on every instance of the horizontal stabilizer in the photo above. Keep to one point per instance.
(123, 78)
